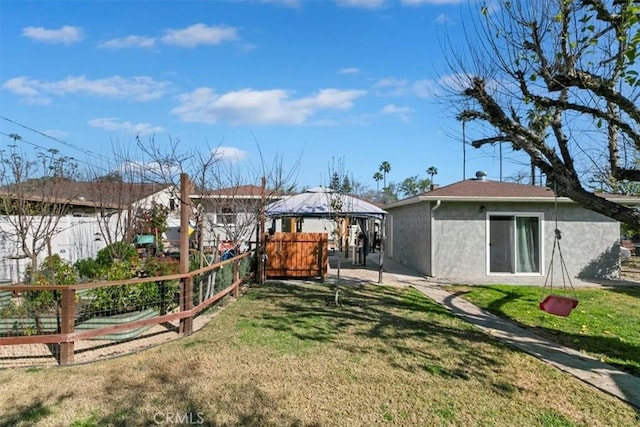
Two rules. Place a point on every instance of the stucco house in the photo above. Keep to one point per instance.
(499, 232)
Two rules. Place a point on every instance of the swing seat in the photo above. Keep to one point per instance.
(558, 305)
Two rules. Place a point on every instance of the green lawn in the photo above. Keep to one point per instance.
(606, 323)
(282, 355)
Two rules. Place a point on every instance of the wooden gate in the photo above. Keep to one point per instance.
(296, 255)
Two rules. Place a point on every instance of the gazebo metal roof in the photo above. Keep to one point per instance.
(322, 202)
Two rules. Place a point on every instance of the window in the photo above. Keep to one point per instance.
(514, 243)
(226, 216)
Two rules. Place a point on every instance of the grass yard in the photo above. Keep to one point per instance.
(282, 356)
(606, 323)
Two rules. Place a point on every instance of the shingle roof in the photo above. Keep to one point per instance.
(240, 192)
(485, 190)
(490, 189)
(111, 194)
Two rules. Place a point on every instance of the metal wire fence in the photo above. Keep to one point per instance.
(48, 324)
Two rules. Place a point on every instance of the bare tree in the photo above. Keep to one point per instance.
(116, 196)
(34, 196)
(227, 199)
(558, 80)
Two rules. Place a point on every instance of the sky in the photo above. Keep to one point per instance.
(322, 85)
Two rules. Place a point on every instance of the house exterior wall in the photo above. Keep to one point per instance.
(408, 236)
(162, 197)
(589, 240)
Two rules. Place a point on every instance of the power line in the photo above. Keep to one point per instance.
(33, 144)
(53, 138)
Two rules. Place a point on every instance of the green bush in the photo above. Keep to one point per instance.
(126, 298)
(98, 267)
(53, 270)
(87, 268)
(118, 251)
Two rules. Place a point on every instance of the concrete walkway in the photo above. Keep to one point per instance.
(586, 368)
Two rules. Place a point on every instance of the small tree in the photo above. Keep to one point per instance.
(153, 221)
(34, 196)
(54, 271)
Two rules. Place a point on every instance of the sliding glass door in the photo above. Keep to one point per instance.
(514, 243)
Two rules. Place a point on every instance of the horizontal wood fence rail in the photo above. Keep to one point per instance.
(138, 280)
(68, 335)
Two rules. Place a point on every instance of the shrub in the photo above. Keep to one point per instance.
(53, 270)
(118, 251)
(87, 268)
(126, 298)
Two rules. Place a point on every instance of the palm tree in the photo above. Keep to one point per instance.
(378, 177)
(431, 171)
(385, 168)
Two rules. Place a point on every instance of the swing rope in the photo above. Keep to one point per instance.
(563, 267)
(548, 282)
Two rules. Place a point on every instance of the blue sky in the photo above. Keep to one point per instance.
(349, 81)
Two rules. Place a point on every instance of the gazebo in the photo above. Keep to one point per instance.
(322, 202)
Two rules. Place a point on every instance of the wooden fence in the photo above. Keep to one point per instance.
(296, 254)
(185, 313)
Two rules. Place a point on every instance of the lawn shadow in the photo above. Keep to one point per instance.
(615, 348)
(175, 400)
(30, 413)
(407, 322)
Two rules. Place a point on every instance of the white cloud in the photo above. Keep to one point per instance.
(230, 154)
(427, 88)
(128, 42)
(402, 112)
(55, 133)
(24, 87)
(362, 4)
(443, 18)
(200, 34)
(116, 125)
(349, 70)
(394, 109)
(391, 86)
(64, 35)
(140, 88)
(287, 3)
(248, 106)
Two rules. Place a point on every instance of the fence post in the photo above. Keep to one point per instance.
(236, 275)
(186, 289)
(186, 300)
(67, 325)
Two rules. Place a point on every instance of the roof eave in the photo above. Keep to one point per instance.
(430, 198)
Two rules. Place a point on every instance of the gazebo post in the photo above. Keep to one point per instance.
(383, 239)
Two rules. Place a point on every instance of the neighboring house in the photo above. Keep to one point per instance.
(230, 214)
(86, 206)
(489, 231)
